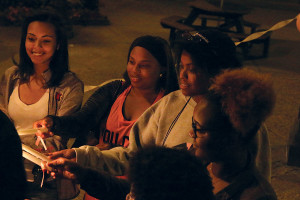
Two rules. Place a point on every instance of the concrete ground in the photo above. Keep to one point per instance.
(98, 53)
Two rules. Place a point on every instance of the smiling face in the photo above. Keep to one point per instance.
(40, 43)
(143, 69)
(193, 81)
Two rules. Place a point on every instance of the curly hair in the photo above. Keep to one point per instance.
(247, 98)
(161, 173)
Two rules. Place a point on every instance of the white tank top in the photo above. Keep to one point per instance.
(24, 115)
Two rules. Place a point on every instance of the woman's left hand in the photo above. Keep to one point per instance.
(46, 123)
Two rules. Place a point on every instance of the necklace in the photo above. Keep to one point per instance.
(174, 122)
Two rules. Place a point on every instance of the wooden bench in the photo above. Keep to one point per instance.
(205, 18)
(175, 23)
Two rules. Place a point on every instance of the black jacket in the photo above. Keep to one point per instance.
(89, 117)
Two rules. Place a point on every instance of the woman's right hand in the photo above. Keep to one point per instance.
(46, 123)
(64, 168)
(59, 158)
(66, 153)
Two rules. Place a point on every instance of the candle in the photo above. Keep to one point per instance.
(31, 131)
(34, 153)
(33, 159)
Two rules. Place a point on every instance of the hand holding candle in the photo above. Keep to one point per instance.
(61, 163)
(66, 153)
(47, 123)
(65, 168)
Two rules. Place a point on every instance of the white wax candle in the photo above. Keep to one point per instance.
(31, 131)
(32, 158)
(35, 153)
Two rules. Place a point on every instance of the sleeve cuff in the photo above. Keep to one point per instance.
(80, 156)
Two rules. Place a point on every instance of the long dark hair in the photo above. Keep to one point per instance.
(59, 63)
(161, 51)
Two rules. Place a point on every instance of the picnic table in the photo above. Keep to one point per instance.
(229, 19)
(230, 14)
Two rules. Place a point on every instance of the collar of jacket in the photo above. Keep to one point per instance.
(46, 75)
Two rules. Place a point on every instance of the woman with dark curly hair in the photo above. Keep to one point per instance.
(225, 125)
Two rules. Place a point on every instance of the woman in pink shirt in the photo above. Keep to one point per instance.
(148, 63)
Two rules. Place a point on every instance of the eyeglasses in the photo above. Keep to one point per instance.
(199, 130)
(196, 37)
(200, 39)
